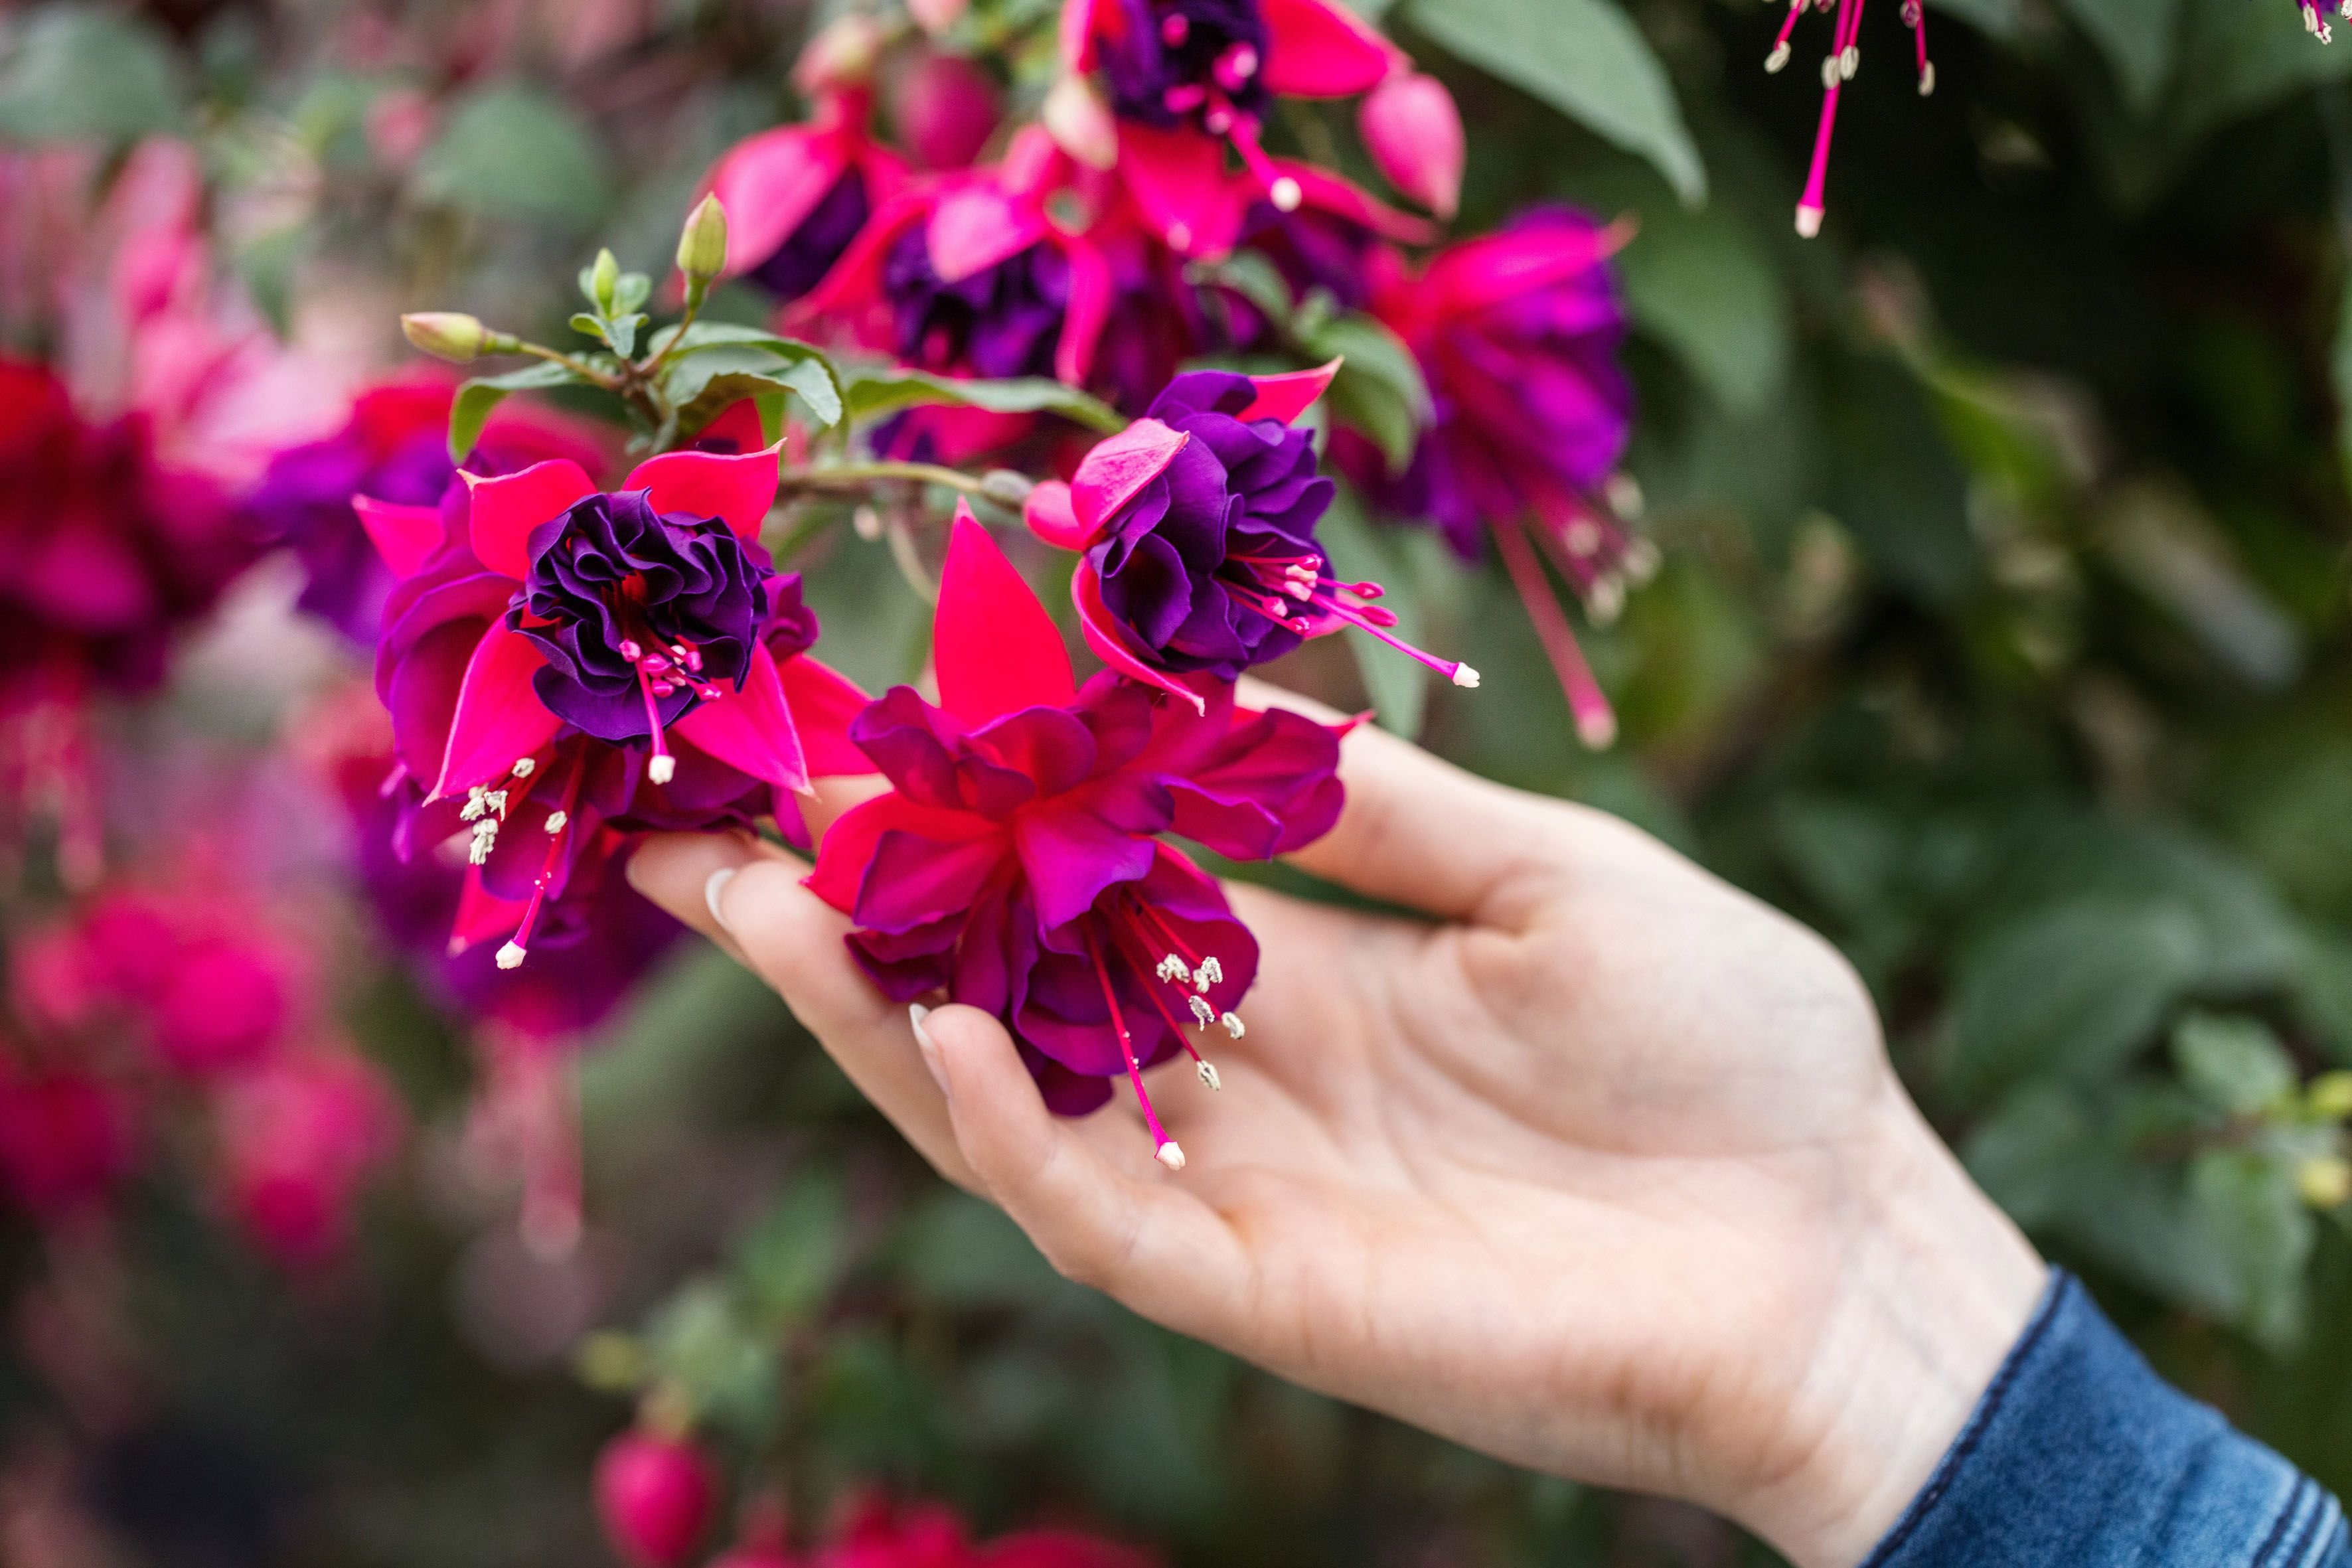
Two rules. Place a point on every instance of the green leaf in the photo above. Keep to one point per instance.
(71, 73)
(791, 1261)
(470, 410)
(2245, 1205)
(871, 394)
(2233, 1064)
(959, 1252)
(1703, 285)
(2136, 37)
(727, 1366)
(709, 350)
(810, 381)
(510, 152)
(1584, 57)
(2239, 68)
(1379, 390)
(2341, 372)
(2070, 991)
(2029, 1154)
(1399, 685)
(1254, 277)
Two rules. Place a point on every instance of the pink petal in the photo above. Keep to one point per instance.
(1109, 476)
(1290, 394)
(822, 702)
(769, 184)
(751, 730)
(848, 848)
(1089, 309)
(1318, 49)
(499, 719)
(1481, 273)
(1078, 33)
(402, 535)
(1110, 645)
(1178, 182)
(1048, 514)
(1413, 132)
(1320, 189)
(736, 487)
(996, 649)
(976, 225)
(482, 914)
(505, 510)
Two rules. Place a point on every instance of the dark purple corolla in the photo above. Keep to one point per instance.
(1015, 862)
(1163, 63)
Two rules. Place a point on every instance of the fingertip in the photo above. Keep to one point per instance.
(676, 871)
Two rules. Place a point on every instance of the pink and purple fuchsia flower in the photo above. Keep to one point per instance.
(565, 666)
(1016, 863)
(797, 196)
(1195, 534)
(1838, 67)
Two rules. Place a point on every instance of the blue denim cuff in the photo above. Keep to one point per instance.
(2079, 1454)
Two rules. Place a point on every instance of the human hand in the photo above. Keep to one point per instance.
(1595, 1164)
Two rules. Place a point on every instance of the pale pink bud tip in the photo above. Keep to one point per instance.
(1413, 132)
(1597, 730)
(1466, 677)
(1809, 221)
(1080, 124)
(1169, 1155)
(661, 767)
(1927, 79)
(510, 956)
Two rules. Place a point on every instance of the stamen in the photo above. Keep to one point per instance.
(1232, 1023)
(1280, 189)
(518, 946)
(1209, 1074)
(1203, 1012)
(556, 819)
(523, 767)
(1211, 972)
(1596, 725)
(1163, 1147)
(1172, 968)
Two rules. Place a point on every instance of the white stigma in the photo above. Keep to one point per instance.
(1809, 221)
(1287, 194)
(1202, 1013)
(1172, 968)
(1180, 237)
(1232, 1023)
(1466, 677)
(1777, 59)
(1209, 1075)
(556, 819)
(661, 767)
(524, 768)
(1212, 972)
(510, 956)
(1927, 79)
(1169, 1155)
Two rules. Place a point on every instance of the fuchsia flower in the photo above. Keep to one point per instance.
(1517, 334)
(1845, 57)
(2313, 22)
(655, 1495)
(797, 196)
(943, 106)
(566, 665)
(1195, 534)
(298, 1141)
(878, 1534)
(1016, 861)
(69, 1140)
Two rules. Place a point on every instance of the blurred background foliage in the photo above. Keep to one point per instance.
(2000, 634)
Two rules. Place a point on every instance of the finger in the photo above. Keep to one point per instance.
(1130, 1230)
(793, 939)
(1419, 832)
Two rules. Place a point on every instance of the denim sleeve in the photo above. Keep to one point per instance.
(2079, 1455)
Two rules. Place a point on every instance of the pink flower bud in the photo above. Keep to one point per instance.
(1080, 123)
(936, 16)
(654, 1494)
(1414, 133)
(842, 55)
(944, 108)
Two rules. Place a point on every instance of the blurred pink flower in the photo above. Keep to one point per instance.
(655, 1494)
(68, 1139)
(296, 1139)
(943, 107)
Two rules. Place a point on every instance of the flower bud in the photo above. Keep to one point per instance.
(702, 245)
(843, 54)
(944, 108)
(2329, 1096)
(2324, 1181)
(1080, 123)
(654, 1494)
(1414, 133)
(603, 279)
(936, 16)
(1005, 488)
(445, 335)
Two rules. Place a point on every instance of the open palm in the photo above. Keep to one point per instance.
(1590, 1162)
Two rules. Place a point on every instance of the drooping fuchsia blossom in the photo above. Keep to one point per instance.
(298, 1139)
(2316, 24)
(1517, 334)
(879, 1533)
(1195, 534)
(654, 1494)
(394, 448)
(1016, 863)
(1844, 58)
(797, 196)
(943, 107)
(566, 665)
(68, 1138)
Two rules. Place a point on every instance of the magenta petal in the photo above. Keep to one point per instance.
(1109, 476)
(499, 719)
(1103, 635)
(1050, 517)
(402, 535)
(505, 510)
(976, 225)
(1071, 856)
(1319, 49)
(1290, 394)
(769, 184)
(736, 487)
(912, 880)
(824, 701)
(751, 730)
(1083, 320)
(995, 647)
(1322, 191)
(482, 914)
(1178, 182)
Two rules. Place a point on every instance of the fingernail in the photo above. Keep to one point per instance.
(928, 1047)
(712, 889)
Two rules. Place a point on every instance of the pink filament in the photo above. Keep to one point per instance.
(1595, 723)
(1160, 1138)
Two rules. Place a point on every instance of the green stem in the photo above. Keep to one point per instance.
(858, 476)
(580, 368)
(697, 290)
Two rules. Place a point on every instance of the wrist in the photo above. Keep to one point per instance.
(1933, 1285)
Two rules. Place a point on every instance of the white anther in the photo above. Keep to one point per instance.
(1232, 1023)
(1212, 973)
(1848, 62)
(1583, 537)
(1169, 1155)
(1172, 968)
(1209, 1075)
(524, 767)
(1928, 76)
(1641, 561)
(510, 956)
(1287, 194)
(486, 839)
(1780, 54)
(661, 767)
(1202, 1013)
(1466, 677)
(477, 803)
(556, 819)
(497, 801)
(1829, 71)
(1605, 600)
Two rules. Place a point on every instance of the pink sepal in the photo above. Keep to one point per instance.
(1091, 288)
(1290, 394)
(824, 701)
(1317, 49)
(1076, 35)
(1110, 645)
(498, 720)
(751, 730)
(976, 225)
(995, 647)
(1109, 476)
(1051, 518)
(769, 184)
(482, 914)
(404, 535)
(1180, 184)
(736, 488)
(505, 510)
(1320, 189)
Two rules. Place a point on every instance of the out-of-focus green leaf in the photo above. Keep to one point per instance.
(2340, 369)
(71, 73)
(2234, 69)
(1399, 685)
(2172, 551)
(961, 1252)
(1895, 485)
(727, 1366)
(2245, 1204)
(1584, 57)
(1702, 284)
(2030, 1151)
(2136, 37)
(870, 394)
(2233, 1064)
(792, 1259)
(2070, 991)
(1379, 390)
(1993, 18)
(475, 400)
(511, 152)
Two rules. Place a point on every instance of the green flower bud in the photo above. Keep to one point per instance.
(702, 244)
(445, 335)
(1005, 488)
(2324, 1181)
(2329, 1096)
(603, 281)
